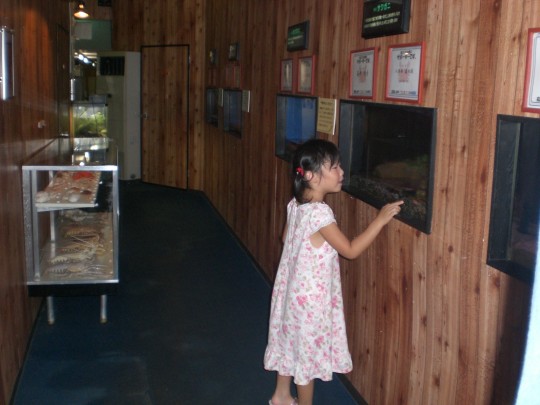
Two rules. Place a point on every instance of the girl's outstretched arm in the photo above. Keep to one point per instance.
(352, 249)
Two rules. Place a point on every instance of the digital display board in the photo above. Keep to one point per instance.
(382, 18)
(298, 36)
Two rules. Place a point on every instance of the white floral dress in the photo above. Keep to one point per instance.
(307, 338)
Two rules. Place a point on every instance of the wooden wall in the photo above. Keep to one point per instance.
(38, 26)
(428, 321)
(42, 82)
(169, 22)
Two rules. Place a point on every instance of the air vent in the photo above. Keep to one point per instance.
(111, 65)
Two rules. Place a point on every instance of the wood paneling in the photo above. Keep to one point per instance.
(164, 101)
(37, 64)
(40, 64)
(169, 22)
(428, 321)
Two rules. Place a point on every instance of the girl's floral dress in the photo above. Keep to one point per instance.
(307, 337)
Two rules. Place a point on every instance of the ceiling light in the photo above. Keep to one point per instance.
(80, 11)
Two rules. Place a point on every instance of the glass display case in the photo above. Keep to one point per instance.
(71, 208)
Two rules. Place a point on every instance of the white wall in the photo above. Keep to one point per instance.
(529, 387)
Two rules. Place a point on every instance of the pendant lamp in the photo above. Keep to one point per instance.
(80, 11)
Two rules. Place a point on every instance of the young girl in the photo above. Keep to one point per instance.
(307, 337)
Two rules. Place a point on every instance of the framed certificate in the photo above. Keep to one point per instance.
(362, 73)
(531, 95)
(306, 74)
(404, 73)
(234, 51)
(286, 75)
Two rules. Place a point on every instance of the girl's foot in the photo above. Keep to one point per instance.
(293, 402)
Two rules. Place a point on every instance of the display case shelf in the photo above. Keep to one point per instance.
(69, 189)
(71, 208)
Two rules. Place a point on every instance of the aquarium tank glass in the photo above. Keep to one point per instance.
(89, 119)
(387, 154)
(296, 121)
(515, 201)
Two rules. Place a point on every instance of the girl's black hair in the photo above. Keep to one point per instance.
(311, 156)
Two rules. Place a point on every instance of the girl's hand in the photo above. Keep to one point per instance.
(389, 211)
(352, 249)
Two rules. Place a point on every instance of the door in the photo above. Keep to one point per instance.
(164, 105)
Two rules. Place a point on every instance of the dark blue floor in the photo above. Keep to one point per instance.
(187, 326)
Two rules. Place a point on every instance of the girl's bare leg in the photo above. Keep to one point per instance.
(305, 393)
(282, 395)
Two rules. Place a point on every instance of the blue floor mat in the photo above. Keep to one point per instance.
(188, 324)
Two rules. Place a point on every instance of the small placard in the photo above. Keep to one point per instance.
(220, 97)
(383, 18)
(326, 115)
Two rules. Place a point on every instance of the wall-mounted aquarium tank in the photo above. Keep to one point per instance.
(211, 106)
(515, 201)
(387, 154)
(89, 119)
(296, 120)
(232, 111)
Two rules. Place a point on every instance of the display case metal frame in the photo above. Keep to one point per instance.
(78, 156)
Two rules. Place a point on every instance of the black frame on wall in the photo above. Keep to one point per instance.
(211, 106)
(515, 200)
(388, 154)
(232, 111)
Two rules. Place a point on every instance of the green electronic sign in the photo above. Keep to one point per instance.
(382, 18)
(298, 36)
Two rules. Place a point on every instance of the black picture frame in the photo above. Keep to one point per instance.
(211, 113)
(232, 112)
(212, 57)
(382, 18)
(514, 216)
(298, 36)
(234, 51)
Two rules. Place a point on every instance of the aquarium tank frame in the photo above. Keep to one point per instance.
(514, 216)
(296, 123)
(388, 154)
